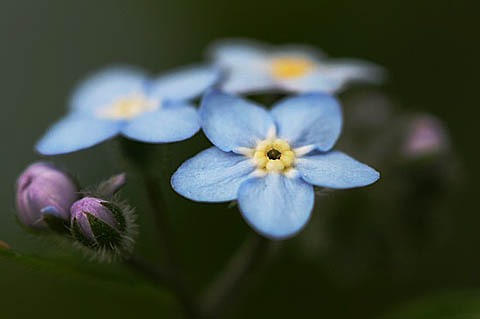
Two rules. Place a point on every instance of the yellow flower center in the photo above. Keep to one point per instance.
(128, 107)
(274, 155)
(290, 67)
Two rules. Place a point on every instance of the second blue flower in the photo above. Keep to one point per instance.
(124, 100)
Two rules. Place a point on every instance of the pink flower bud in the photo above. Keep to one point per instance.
(44, 191)
(427, 136)
(105, 228)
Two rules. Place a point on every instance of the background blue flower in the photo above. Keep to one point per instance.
(124, 100)
(257, 67)
(275, 200)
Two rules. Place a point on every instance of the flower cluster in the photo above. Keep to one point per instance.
(269, 161)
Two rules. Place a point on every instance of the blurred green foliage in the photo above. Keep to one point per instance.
(358, 258)
(456, 304)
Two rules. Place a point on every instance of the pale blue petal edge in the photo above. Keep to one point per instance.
(276, 206)
(245, 63)
(248, 79)
(230, 122)
(184, 84)
(335, 170)
(237, 52)
(170, 123)
(334, 75)
(76, 132)
(212, 176)
(102, 88)
(309, 119)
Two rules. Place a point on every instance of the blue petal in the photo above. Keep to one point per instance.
(231, 122)
(246, 63)
(309, 119)
(331, 77)
(171, 123)
(276, 206)
(335, 170)
(212, 176)
(106, 86)
(237, 52)
(347, 70)
(314, 82)
(184, 84)
(248, 79)
(54, 212)
(76, 132)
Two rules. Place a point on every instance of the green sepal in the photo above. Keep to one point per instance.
(79, 236)
(118, 214)
(105, 235)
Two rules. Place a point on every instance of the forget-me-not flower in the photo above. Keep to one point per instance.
(124, 100)
(270, 160)
(254, 67)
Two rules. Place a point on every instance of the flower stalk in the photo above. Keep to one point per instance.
(139, 156)
(171, 274)
(233, 279)
(163, 276)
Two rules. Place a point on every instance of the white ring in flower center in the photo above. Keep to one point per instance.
(274, 155)
(127, 107)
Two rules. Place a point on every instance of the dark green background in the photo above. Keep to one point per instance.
(428, 49)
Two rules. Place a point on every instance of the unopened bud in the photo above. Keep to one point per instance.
(102, 226)
(44, 196)
(426, 136)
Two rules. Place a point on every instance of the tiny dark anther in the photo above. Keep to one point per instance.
(273, 154)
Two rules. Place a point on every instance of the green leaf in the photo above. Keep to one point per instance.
(73, 291)
(458, 305)
(56, 266)
(81, 270)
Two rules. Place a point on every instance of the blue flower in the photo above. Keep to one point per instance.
(124, 100)
(270, 160)
(254, 67)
